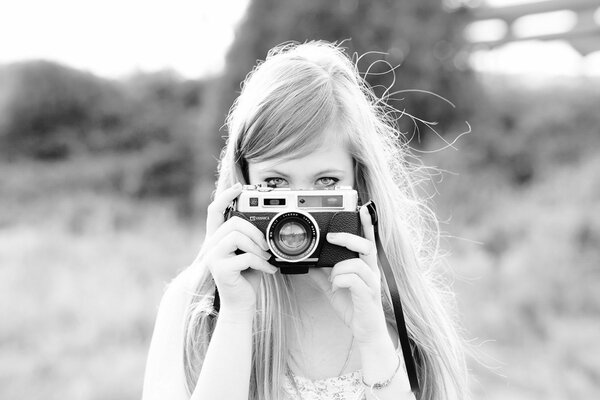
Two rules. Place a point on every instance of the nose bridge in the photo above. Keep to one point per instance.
(301, 180)
(300, 186)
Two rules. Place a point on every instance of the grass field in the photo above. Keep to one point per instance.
(82, 271)
(83, 267)
(522, 205)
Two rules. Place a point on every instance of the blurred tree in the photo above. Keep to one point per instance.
(50, 112)
(419, 36)
(48, 109)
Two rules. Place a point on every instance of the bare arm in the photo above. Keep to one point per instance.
(165, 377)
(379, 361)
(226, 370)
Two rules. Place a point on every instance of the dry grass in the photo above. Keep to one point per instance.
(525, 260)
(81, 275)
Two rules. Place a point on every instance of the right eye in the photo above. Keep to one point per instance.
(277, 182)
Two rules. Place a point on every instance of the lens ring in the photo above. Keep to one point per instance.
(289, 252)
(292, 236)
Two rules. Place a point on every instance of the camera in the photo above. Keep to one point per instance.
(296, 223)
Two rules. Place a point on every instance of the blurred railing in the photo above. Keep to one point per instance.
(583, 33)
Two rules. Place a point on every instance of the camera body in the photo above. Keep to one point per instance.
(296, 223)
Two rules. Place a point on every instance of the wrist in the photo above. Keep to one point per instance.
(377, 336)
(378, 358)
(382, 346)
(236, 315)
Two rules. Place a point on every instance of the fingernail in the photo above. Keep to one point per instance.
(264, 245)
(273, 270)
(332, 236)
(266, 256)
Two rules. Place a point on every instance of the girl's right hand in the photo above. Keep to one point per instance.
(237, 276)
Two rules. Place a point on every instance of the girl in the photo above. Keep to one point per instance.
(306, 119)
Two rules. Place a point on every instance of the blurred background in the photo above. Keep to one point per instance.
(110, 129)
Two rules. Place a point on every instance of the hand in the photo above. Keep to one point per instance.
(237, 276)
(354, 285)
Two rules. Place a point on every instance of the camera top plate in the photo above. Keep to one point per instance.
(263, 187)
(262, 198)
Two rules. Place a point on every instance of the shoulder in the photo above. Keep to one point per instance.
(181, 288)
(178, 296)
(164, 374)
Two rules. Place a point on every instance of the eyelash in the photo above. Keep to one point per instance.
(335, 180)
(267, 180)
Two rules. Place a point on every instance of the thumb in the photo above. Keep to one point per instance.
(214, 214)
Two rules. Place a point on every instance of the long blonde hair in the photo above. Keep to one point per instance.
(285, 105)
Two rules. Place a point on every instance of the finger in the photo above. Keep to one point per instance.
(248, 260)
(352, 242)
(359, 290)
(367, 224)
(236, 240)
(360, 268)
(243, 226)
(214, 212)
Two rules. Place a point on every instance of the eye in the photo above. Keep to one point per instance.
(327, 181)
(277, 182)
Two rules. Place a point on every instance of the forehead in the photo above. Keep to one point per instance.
(331, 154)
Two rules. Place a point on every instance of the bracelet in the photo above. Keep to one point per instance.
(381, 385)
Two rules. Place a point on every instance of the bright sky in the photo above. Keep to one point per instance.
(117, 37)
(539, 58)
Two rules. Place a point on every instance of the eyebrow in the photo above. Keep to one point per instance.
(325, 171)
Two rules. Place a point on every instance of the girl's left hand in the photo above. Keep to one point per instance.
(354, 285)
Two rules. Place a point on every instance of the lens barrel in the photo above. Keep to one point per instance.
(293, 236)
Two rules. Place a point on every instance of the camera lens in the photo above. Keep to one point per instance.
(293, 236)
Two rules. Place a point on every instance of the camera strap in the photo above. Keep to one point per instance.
(411, 369)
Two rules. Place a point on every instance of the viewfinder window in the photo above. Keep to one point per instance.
(333, 201)
(274, 202)
(320, 201)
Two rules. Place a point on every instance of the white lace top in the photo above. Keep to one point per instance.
(343, 387)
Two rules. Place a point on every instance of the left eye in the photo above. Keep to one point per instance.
(275, 181)
(327, 181)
